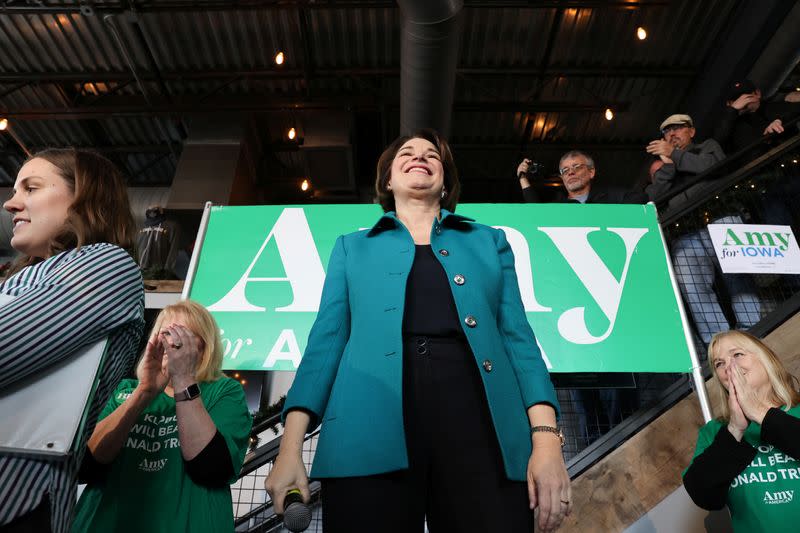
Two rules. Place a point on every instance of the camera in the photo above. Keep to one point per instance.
(533, 167)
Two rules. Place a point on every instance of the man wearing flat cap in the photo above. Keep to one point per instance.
(682, 158)
(693, 253)
(747, 117)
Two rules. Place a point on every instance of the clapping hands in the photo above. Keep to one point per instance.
(151, 372)
(746, 403)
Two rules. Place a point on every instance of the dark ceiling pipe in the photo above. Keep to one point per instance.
(780, 57)
(428, 58)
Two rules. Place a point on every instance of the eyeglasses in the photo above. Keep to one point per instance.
(576, 167)
(673, 127)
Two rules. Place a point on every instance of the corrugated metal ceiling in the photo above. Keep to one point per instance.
(570, 61)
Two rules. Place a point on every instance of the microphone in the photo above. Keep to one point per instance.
(296, 514)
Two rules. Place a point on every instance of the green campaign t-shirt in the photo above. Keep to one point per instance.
(765, 496)
(147, 487)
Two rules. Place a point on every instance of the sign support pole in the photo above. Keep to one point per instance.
(697, 369)
(198, 245)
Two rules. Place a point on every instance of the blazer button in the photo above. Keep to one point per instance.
(459, 279)
(470, 321)
(487, 365)
(443, 252)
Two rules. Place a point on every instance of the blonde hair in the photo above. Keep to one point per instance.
(201, 323)
(784, 385)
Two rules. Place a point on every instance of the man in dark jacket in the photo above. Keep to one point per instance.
(683, 159)
(597, 410)
(747, 117)
(577, 172)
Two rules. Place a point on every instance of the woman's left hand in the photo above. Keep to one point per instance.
(548, 484)
(183, 353)
(754, 403)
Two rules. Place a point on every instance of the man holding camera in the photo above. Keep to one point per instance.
(577, 173)
(596, 409)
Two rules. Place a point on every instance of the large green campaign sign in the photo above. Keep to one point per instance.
(593, 278)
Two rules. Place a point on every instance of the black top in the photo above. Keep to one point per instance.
(710, 475)
(430, 309)
(212, 467)
(735, 131)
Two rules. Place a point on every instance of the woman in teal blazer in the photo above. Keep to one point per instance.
(433, 397)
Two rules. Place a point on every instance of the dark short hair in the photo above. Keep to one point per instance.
(384, 170)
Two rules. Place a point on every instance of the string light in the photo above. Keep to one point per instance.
(609, 114)
(279, 58)
(305, 185)
(641, 33)
(244, 382)
(291, 134)
(3, 123)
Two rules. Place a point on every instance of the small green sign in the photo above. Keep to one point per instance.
(593, 279)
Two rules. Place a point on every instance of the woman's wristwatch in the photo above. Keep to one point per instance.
(549, 429)
(189, 393)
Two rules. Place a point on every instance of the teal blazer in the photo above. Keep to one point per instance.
(351, 375)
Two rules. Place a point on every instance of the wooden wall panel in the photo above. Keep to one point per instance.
(631, 480)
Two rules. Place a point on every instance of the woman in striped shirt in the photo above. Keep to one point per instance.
(75, 283)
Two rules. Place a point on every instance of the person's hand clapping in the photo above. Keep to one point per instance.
(661, 148)
(754, 403)
(738, 422)
(183, 349)
(152, 375)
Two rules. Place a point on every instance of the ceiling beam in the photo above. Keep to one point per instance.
(135, 106)
(589, 71)
(178, 6)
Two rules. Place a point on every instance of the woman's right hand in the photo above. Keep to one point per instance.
(738, 422)
(287, 473)
(152, 377)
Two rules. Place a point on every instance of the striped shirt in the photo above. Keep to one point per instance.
(60, 305)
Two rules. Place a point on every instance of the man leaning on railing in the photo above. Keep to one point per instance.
(693, 253)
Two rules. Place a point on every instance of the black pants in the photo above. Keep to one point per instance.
(456, 477)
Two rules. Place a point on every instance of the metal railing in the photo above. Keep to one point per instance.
(757, 185)
(253, 511)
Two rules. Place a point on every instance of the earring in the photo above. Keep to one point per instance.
(388, 186)
(444, 193)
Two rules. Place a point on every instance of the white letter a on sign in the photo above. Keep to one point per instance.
(301, 263)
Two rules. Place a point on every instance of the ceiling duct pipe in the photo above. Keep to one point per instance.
(780, 57)
(428, 58)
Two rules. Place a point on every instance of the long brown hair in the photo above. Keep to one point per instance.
(100, 211)
(384, 170)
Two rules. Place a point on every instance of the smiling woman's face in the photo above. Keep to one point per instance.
(417, 172)
(39, 205)
(730, 353)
